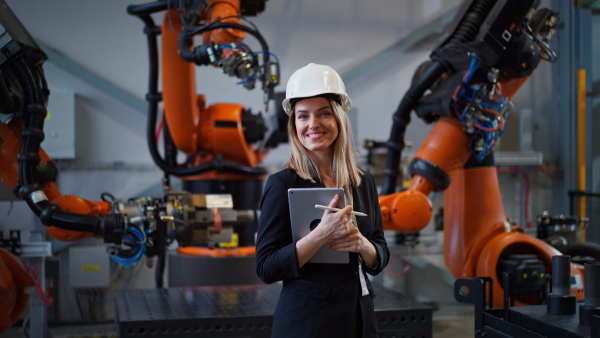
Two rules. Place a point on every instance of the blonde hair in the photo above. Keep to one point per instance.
(345, 156)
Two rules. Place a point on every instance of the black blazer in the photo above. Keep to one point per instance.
(317, 300)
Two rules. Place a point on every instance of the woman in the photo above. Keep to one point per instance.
(321, 300)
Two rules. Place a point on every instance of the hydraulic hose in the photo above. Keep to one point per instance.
(185, 41)
(466, 31)
(143, 11)
(33, 133)
(469, 27)
(590, 249)
(401, 119)
(169, 144)
(34, 92)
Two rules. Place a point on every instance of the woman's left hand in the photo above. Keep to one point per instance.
(352, 242)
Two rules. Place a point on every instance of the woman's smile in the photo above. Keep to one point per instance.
(315, 136)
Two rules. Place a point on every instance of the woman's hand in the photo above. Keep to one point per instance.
(337, 230)
(335, 224)
(354, 241)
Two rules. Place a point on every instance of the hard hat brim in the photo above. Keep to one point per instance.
(345, 102)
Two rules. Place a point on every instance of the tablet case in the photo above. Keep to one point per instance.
(305, 217)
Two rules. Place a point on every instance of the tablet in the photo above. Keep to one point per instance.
(305, 217)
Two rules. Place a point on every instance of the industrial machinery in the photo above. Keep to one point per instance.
(465, 90)
(222, 144)
(562, 316)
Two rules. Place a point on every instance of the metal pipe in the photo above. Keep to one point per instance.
(591, 305)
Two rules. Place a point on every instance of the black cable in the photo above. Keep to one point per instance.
(32, 134)
(145, 10)
(108, 197)
(160, 268)
(248, 21)
(185, 54)
(401, 119)
(470, 25)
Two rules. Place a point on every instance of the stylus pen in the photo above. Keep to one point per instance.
(324, 207)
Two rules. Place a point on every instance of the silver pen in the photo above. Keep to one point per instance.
(324, 207)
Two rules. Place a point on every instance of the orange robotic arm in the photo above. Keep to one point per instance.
(221, 137)
(194, 127)
(221, 142)
(472, 77)
(225, 11)
(9, 151)
(411, 210)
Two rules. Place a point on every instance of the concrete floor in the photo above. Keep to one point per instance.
(454, 321)
(452, 329)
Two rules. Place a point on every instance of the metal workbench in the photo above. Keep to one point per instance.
(243, 311)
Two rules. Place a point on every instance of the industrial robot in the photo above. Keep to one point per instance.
(216, 211)
(465, 90)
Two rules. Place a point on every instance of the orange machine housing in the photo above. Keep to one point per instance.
(16, 286)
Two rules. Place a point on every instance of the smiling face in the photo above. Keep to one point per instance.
(316, 126)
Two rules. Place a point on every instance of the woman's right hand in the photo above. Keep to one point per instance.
(335, 224)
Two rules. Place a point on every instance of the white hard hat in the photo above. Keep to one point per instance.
(313, 80)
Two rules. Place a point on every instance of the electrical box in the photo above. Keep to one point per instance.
(59, 126)
(89, 267)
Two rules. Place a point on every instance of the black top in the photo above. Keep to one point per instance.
(317, 300)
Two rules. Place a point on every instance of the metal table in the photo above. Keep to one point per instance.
(243, 311)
